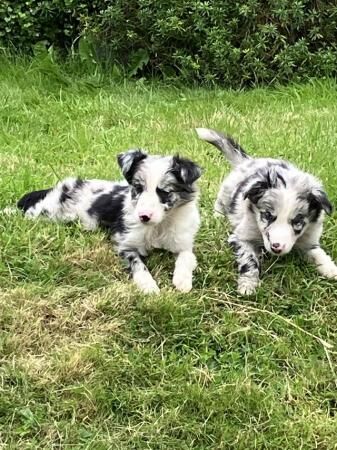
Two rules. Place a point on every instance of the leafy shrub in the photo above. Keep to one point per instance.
(23, 23)
(234, 43)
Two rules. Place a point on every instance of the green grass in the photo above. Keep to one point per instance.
(86, 361)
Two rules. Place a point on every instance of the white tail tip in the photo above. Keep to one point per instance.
(208, 135)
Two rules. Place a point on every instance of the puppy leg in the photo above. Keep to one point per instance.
(186, 262)
(247, 259)
(140, 274)
(324, 264)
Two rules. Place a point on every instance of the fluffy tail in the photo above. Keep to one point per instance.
(231, 149)
(31, 199)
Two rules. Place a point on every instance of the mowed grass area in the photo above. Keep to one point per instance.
(87, 361)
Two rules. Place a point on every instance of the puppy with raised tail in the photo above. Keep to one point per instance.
(270, 203)
(157, 207)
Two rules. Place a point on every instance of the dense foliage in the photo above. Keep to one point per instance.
(233, 42)
(58, 22)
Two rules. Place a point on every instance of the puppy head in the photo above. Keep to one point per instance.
(283, 209)
(158, 184)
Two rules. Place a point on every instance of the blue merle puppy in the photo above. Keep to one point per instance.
(272, 204)
(157, 207)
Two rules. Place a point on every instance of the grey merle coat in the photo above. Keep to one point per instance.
(270, 204)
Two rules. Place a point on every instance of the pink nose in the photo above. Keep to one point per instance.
(276, 247)
(145, 216)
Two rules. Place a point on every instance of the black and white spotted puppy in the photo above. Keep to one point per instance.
(272, 204)
(155, 208)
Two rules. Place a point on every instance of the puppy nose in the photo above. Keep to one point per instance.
(145, 217)
(276, 247)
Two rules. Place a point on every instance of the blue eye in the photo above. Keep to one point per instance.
(298, 221)
(267, 216)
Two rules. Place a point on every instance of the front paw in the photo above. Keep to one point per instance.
(328, 270)
(182, 282)
(146, 283)
(247, 286)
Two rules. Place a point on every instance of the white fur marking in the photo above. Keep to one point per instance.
(324, 264)
(182, 277)
(145, 283)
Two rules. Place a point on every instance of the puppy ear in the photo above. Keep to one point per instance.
(269, 179)
(256, 191)
(318, 200)
(129, 162)
(185, 170)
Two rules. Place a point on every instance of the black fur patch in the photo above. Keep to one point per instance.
(256, 192)
(79, 183)
(238, 191)
(67, 192)
(280, 177)
(318, 201)
(244, 269)
(237, 147)
(251, 266)
(31, 199)
(108, 209)
(185, 171)
(269, 179)
(164, 196)
(130, 168)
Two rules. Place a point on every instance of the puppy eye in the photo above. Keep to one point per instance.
(138, 188)
(267, 216)
(298, 221)
(163, 195)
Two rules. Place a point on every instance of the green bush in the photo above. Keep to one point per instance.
(236, 43)
(23, 23)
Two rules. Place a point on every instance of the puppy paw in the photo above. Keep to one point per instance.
(247, 286)
(146, 283)
(182, 283)
(328, 270)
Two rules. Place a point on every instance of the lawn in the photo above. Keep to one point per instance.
(87, 361)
